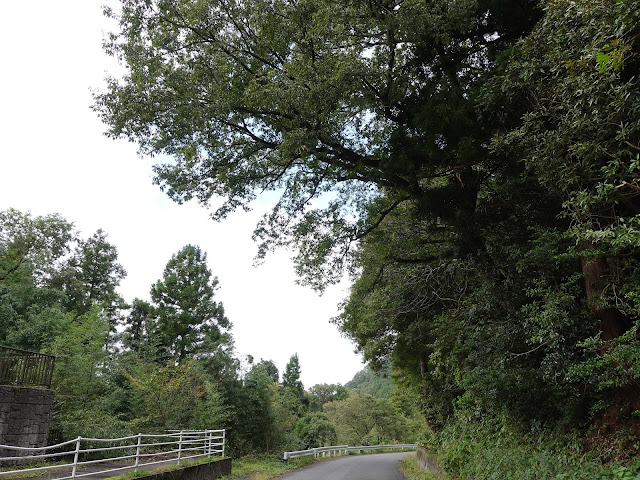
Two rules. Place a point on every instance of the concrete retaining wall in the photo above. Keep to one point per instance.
(204, 471)
(429, 462)
(25, 417)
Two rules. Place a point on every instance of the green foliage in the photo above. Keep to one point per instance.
(334, 101)
(32, 246)
(91, 276)
(254, 413)
(266, 412)
(316, 430)
(79, 378)
(613, 363)
(490, 311)
(269, 368)
(287, 408)
(31, 251)
(409, 467)
(477, 167)
(364, 420)
(475, 163)
(323, 393)
(141, 333)
(376, 384)
(176, 397)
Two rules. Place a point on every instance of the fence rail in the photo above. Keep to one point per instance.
(21, 367)
(340, 449)
(134, 451)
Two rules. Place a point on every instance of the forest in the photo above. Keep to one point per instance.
(169, 363)
(472, 165)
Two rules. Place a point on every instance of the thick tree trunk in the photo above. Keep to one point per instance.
(611, 322)
(423, 381)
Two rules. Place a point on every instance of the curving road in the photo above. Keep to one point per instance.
(379, 466)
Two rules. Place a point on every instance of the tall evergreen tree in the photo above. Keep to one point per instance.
(291, 376)
(90, 277)
(187, 314)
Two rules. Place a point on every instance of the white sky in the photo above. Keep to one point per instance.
(54, 158)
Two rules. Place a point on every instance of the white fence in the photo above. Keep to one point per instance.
(129, 453)
(343, 449)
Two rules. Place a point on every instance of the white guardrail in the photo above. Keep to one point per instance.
(343, 449)
(135, 451)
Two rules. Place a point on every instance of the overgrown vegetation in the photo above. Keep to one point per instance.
(491, 451)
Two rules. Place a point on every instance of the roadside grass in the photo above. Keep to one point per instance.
(409, 467)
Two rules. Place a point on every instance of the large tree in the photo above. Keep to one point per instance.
(33, 245)
(310, 97)
(187, 314)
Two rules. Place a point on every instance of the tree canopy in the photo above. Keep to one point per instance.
(359, 105)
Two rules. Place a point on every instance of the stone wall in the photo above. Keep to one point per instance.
(25, 416)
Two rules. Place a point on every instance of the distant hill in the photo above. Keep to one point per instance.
(377, 385)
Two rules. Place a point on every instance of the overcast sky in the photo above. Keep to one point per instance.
(55, 159)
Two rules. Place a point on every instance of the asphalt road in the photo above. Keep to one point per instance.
(379, 466)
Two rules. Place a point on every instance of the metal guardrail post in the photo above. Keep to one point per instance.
(224, 441)
(180, 447)
(75, 458)
(25, 364)
(135, 469)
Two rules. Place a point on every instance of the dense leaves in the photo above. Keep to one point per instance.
(291, 376)
(319, 100)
